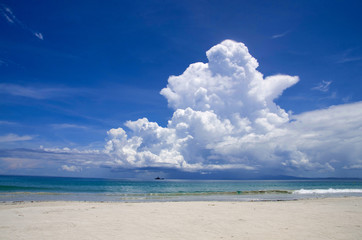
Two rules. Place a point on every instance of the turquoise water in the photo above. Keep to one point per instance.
(21, 188)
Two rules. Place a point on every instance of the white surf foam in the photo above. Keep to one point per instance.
(326, 191)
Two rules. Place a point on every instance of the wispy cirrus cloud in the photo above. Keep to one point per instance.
(3, 62)
(6, 62)
(15, 138)
(39, 35)
(68, 125)
(37, 92)
(7, 123)
(8, 14)
(10, 17)
(323, 86)
(348, 55)
(349, 59)
(280, 35)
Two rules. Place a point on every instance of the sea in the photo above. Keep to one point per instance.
(31, 188)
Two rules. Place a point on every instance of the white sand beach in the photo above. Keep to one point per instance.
(335, 218)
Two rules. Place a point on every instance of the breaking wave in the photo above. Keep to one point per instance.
(326, 191)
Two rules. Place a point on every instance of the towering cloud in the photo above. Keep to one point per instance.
(225, 117)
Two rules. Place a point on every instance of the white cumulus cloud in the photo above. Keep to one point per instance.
(225, 117)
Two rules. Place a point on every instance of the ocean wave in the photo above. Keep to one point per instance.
(326, 191)
(177, 194)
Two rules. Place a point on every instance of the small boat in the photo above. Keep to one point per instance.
(158, 178)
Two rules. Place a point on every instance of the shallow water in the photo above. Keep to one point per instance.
(21, 188)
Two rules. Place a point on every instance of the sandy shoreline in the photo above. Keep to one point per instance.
(334, 218)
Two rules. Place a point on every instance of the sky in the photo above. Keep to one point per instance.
(181, 89)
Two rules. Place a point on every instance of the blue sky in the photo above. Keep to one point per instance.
(72, 71)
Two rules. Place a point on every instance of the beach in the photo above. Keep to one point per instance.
(329, 218)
